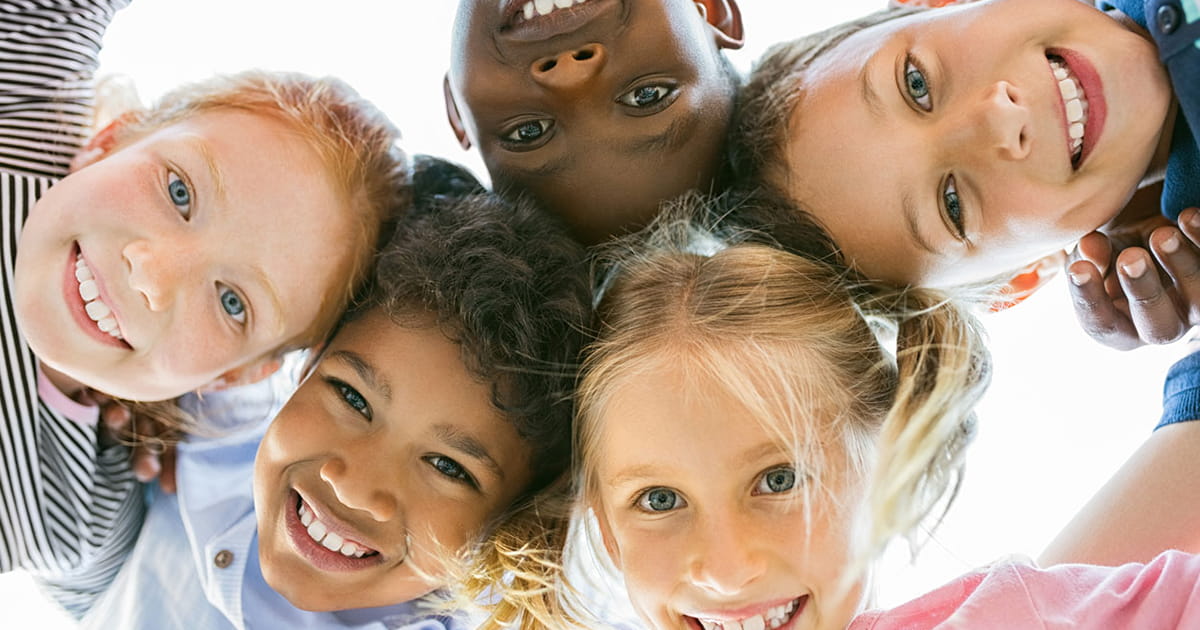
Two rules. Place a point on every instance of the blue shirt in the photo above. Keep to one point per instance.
(1175, 26)
(195, 566)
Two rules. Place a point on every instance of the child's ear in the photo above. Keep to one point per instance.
(726, 19)
(1028, 279)
(456, 123)
(244, 375)
(101, 144)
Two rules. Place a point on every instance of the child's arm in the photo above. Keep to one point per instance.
(1153, 502)
(1126, 298)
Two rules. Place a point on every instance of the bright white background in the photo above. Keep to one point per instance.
(1061, 415)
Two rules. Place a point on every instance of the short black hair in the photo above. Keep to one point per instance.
(507, 283)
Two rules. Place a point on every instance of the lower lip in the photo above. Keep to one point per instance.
(694, 624)
(316, 553)
(76, 307)
(1094, 89)
(559, 22)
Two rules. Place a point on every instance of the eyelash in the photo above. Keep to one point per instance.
(350, 397)
(238, 317)
(183, 207)
(665, 98)
(463, 476)
(953, 212)
(645, 494)
(511, 137)
(913, 68)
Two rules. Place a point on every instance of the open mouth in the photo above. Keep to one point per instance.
(539, 8)
(96, 309)
(771, 619)
(1083, 105)
(321, 534)
(83, 293)
(540, 20)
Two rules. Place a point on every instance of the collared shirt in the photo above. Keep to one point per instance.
(196, 566)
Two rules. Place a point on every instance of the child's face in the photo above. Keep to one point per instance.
(601, 110)
(394, 450)
(203, 246)
(938, 148)
(704, 514)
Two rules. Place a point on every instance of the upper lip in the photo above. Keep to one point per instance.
(339, 525)
(733, 614)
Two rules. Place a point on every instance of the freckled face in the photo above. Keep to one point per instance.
(190, 252)
(708, 519)
(390, 451)
(599, 111)
(961, 143)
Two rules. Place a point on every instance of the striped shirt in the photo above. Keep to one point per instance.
(69, 509)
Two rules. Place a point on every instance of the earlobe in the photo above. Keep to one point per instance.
(456, 123)
(244, 375)
(725, 18)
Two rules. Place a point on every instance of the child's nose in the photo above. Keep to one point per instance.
(359, 490)
(1004, 122)
(153, 273)
(726, 558)
(570, 70)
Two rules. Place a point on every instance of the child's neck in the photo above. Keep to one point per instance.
(70, 387)
(1158, 163)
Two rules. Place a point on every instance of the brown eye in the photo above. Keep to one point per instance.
(528, 132)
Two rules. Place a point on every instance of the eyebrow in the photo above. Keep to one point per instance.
(210, 161)
(909, 210)
(467, 444)
(365, 371)
(672, 138)
(869, 95)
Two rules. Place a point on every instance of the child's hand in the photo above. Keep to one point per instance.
(1139, 299)
(152, 443)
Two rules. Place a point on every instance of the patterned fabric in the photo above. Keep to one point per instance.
(69, 510)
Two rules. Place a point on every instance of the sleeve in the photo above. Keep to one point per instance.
(1181, 392)
(49, 50)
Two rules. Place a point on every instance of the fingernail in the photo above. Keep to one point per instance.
(1135, 269)
(1080, 279)
(1193, 219)
(1171, 244)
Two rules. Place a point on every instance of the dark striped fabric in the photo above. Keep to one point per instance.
(69, 510)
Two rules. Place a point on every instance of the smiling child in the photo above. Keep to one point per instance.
(599, 109)
(994, 133)
(184, 247)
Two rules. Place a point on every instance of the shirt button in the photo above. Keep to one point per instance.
(1168, 18)
(223, 559)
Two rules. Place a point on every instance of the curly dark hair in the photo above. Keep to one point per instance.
(504, 281)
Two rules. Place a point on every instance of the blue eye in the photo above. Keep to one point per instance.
(645, 96)
(917, 85)
(450, 468)
(232, 303)
(660, 500)
(178, 191)
(529, 131)
(351, 397)
(776, 480)
(953, 206)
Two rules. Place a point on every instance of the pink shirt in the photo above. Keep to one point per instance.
(1015, 595)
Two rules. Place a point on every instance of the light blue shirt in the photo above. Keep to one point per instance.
(195, 566)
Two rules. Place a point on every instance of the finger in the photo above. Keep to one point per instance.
(166, 479)
(146, 465)
(1151, 308)
(1181, 260)
(1097, 249)
(116, 416)
(1095, 310)
(1189, 224)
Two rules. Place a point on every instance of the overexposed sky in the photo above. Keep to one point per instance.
(1061, 416)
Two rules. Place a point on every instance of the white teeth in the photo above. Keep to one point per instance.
(1075, 102)
(1076, 131)
(320, 533)
(1074, 112)
(1060, 73)
(88, 290)
(709, 625)
(1069, 88)
(534, 8)
(95, 308)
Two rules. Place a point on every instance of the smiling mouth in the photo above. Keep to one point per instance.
(771, 619)
(1075, 104)
(540, 8)
(320, 534)
(89, 291)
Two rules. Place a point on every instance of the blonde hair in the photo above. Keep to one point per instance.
(798, 336)
(355, 141)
